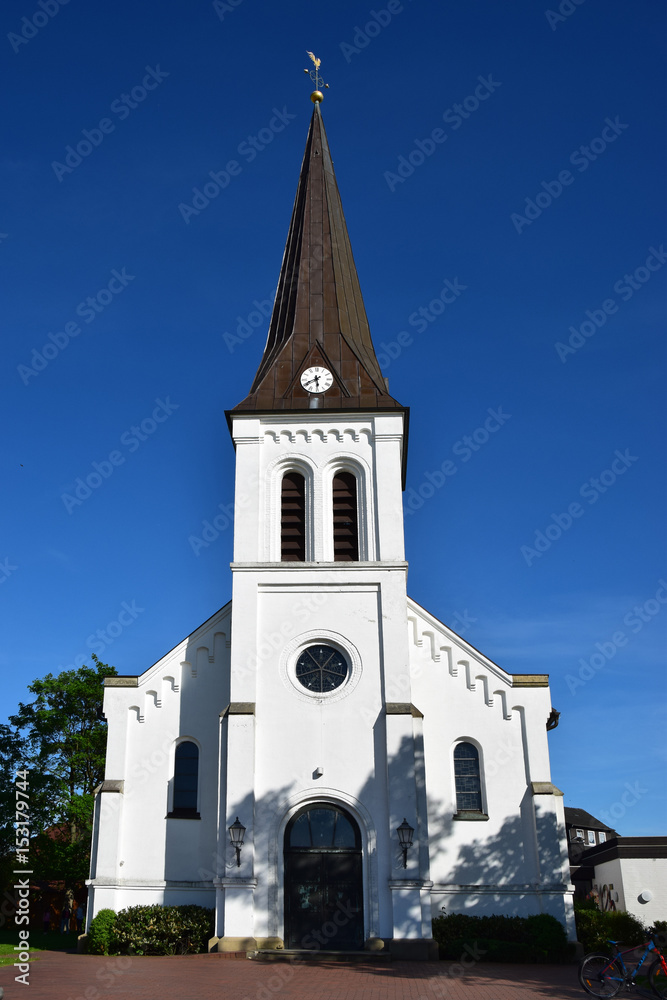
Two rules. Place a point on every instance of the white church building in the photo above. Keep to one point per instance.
(371, 766)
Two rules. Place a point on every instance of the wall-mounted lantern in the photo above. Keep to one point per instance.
(236, 835)
(405, 834)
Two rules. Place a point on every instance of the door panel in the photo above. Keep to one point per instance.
(323, 900)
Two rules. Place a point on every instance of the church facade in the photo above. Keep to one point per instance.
(323, 761)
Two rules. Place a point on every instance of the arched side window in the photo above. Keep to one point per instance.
(186, 780)
(467, 778)
(345, 518)
(293, 518)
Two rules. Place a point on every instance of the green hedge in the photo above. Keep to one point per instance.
(540, 938)
(151, 930)
(100, 933)
(595, 928)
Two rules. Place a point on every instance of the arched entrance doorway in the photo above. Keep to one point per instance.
(323, 880)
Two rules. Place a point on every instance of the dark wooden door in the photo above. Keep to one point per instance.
(323, 900)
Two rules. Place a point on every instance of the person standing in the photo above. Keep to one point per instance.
(65, 916)
(46, 919)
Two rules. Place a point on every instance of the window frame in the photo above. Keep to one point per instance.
(356, 534)
(272, 498)
(316, 637)
(366, 527)
(184, 812)
(480, 814)
(304, 526)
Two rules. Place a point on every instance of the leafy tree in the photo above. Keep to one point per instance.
(60, 738)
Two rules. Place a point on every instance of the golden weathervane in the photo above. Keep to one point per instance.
(317, 96)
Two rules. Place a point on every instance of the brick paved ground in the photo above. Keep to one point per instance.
(60, 976)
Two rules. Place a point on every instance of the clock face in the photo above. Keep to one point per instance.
(316, 379)
(321, 668)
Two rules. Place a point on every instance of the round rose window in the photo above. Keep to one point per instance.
(321, 668)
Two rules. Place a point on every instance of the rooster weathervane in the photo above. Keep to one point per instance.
(317, 96)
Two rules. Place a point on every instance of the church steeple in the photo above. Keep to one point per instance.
(318, 316)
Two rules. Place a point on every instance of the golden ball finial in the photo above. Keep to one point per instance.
(317, 97)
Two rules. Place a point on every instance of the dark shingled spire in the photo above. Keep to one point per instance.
(318, 316)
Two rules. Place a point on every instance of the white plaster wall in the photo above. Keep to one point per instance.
(630, 877)
(139, 851)
(278, 608)
(361, 610)
(317, 444)
(521, 848)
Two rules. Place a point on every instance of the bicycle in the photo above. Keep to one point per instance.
(604, 975)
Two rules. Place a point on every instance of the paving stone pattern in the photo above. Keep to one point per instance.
(61, 976)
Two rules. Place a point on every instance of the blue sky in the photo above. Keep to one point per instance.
(501, 169)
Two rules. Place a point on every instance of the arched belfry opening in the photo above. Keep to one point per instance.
(323, 880)
(345, 518)
(293, 518)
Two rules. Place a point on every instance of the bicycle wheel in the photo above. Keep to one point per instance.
(600, 975)
(658, 979)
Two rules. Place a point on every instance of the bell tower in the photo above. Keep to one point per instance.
(321, 728)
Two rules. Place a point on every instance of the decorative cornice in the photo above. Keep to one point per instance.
(238, 708)
(147, 883)
(278, 567)
(403, 708)
(410, 883)
(530, 680)
(498, 889)
(544, 788)
(235, 883)
(110, 785)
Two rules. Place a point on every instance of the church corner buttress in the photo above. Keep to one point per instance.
(324, 762)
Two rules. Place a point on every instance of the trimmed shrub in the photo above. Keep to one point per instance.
(595, 928)
(100, 934)
(539, 938)
(163, 930)
(547, 936)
